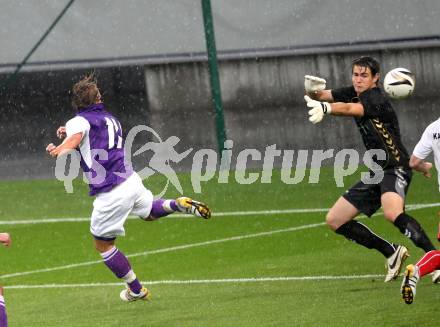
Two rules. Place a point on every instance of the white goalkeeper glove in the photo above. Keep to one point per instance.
(313, 83)
(319, 109)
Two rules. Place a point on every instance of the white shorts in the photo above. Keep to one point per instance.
(111, 209)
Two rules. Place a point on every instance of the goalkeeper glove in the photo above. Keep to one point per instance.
(318, 109)
(313, 84)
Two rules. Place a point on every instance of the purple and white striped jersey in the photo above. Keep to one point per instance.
(101, 148)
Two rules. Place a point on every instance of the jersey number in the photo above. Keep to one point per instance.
(114, 133)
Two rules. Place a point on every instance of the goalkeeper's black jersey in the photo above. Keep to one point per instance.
(379, 126)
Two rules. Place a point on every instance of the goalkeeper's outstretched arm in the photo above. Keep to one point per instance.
(318, 109)
(315, 88)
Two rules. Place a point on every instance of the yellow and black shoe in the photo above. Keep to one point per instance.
(409, 283)
(193, 207)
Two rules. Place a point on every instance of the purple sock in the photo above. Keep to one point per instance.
(3, 317)
(159, 210)
(173, 205)
(118, 263)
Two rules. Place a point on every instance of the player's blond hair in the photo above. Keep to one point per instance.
(85, 92)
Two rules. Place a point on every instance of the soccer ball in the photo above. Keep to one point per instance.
(399, 83)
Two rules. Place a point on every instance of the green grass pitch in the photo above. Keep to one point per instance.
(258, 269)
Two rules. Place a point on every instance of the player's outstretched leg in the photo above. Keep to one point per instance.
(3, 316)
(409, 283)
(361, 234)
(395, 262)
(162, 208)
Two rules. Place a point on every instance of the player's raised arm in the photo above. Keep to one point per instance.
(320, 108)
(315, 88)
(69, 144)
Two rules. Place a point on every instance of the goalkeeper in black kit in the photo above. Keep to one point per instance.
(377, 122)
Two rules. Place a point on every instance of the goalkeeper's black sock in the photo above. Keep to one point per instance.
(412, 229)
(361, 234)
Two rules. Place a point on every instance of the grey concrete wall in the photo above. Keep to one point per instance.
(262, 98)
(33, 107)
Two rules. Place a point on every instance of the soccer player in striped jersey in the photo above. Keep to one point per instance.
(118, 190)
(5, 239)
(430, 262)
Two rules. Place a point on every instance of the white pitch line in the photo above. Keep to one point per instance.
(416, 206)
(187, 246)
(42, 221)
(170, 249)
(203, 281)
(215, 214)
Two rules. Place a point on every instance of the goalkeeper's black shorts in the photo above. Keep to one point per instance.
(366, 197)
